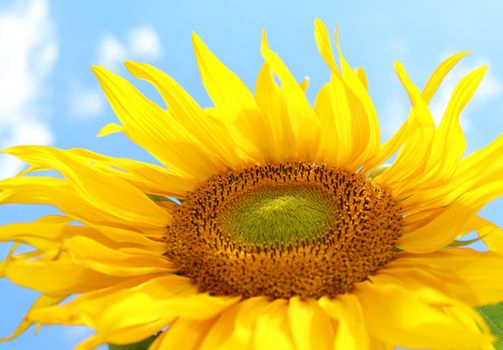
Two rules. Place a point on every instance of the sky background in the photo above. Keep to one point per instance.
(48, 94)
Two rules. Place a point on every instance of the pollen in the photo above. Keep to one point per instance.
(281, 230)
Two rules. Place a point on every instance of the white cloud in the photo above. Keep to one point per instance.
(489, 88)
(142, 43)
(85, 103)
(145, 43)
(112, 52)
(28, 52)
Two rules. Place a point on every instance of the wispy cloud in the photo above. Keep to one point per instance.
(142, 43)
(85, 103)
(27, 59)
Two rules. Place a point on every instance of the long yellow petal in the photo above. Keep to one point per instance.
(324, 45)
(155, 129)
(57, 278)
(148, 177)
(190, 333)
(42, 301)
(213, 133)
(271, 328)
(410, 161)
(96, 256)
(335, 114)
(234, 328)
(56, 192)
(106, 192)
(470, 276)
(491, 234)
(352, 333)
(136, 302)
(310, 326)
(445, 227)
(431, 87)
(30, 233)
(233, 100)
(366, 132)
(270, 100)
(449, 143)
(456, 325)
(305, 123)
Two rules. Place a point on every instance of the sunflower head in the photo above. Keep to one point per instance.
(287, 231)
(284, 230)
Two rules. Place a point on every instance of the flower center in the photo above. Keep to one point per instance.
(283, 230)
(277, 214)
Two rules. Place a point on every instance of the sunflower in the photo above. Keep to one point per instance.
(272, 224)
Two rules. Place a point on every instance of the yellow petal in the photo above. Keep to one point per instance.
(440, 73)
(57, 278)
(42, 301)
(155, 129)
(432, 85)
(304, 84)
(136, 302)
(449, 143)
(100, 188)
(190, 333)
(472, 276)
(325, 46)
(234, 328)
(233, 101)
(309, 325)
(110, 128)
(56, 192)
(305, 123)
(491, 234)
(360, 73)
(455, 324)
(270, 100)
(271, 328)
(38, 234)
(442, 229)
(352, 333)
(93, 255)
(148, 177)
(410, 161)
(366, 132)
(211, 132)
(332, 107)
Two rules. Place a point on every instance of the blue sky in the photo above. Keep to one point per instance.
(48, 94)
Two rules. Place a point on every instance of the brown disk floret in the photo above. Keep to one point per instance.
(358, 239)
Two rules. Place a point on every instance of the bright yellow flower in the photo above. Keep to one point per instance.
(291, 233)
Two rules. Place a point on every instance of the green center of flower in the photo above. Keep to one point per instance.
(279, 215)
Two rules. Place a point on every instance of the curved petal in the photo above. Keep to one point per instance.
(56, 278)
(234, 102)
(155, 129)
(455, 324)
(352, 333)
(106, 192)
(271, 102)
(305, 123)
(442, 229)
(431, 87)
(473, 277)
(310, 326)
(213, 133)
